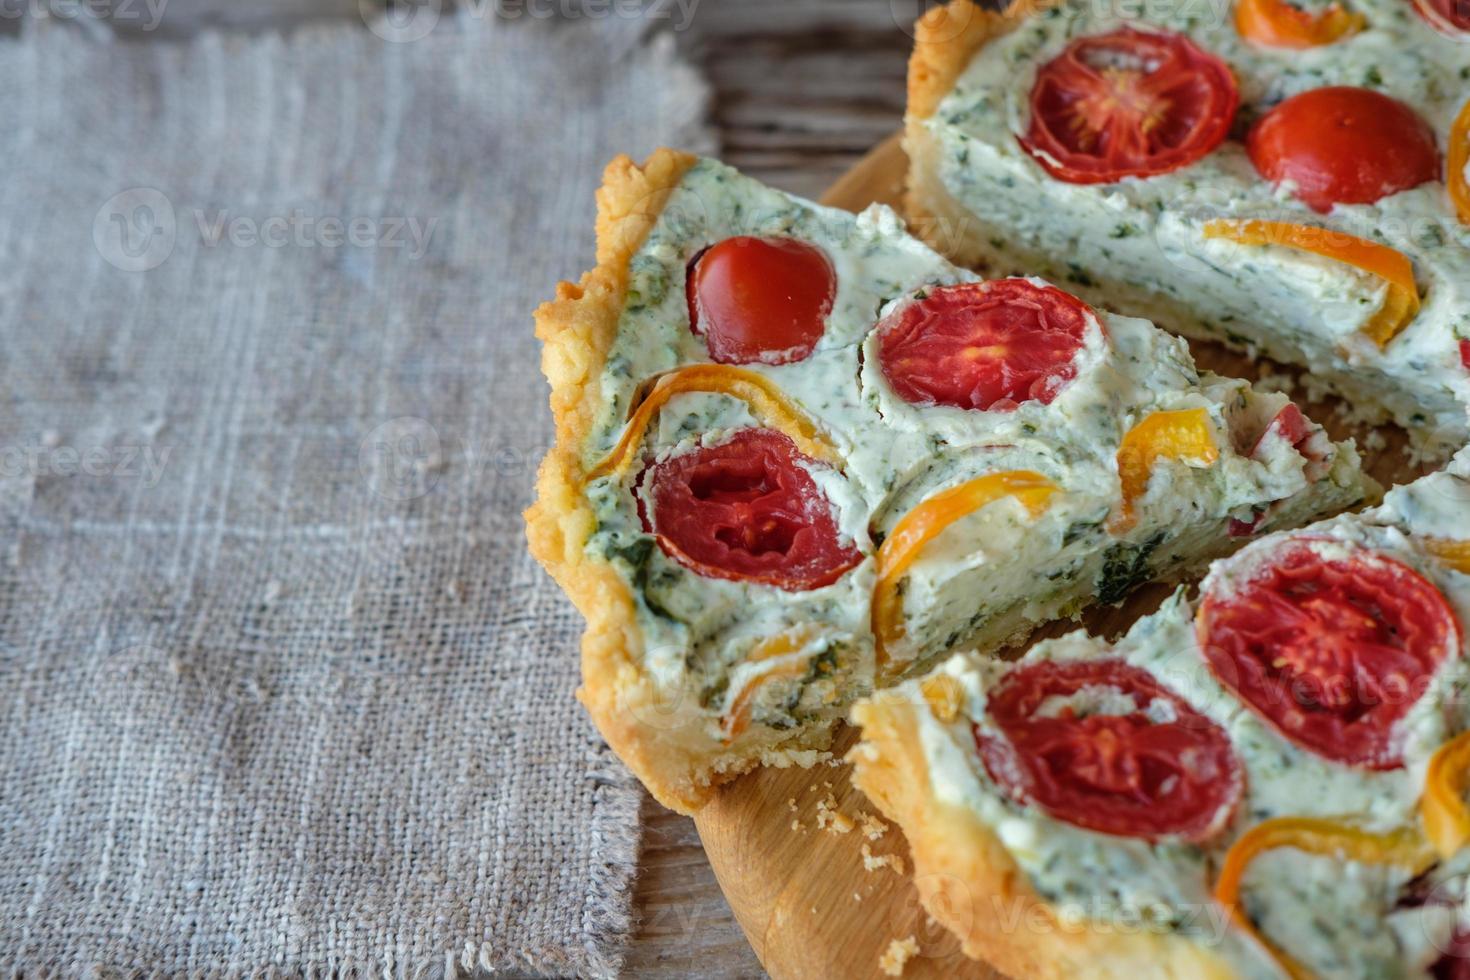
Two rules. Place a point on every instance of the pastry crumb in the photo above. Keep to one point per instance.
(791, 804)
(857, 896)
(872, 862)
(830, 819)
(898, 953)
(797, 825)
(873, 826)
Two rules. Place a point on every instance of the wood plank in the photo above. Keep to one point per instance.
(685, 928)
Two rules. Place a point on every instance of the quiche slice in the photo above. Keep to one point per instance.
(1266, 781)
(799, 456)
(1287, 177)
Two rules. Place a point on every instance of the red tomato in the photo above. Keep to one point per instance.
(1144, 773)
(983, 345)
(1343, 145)
(760, 299)
(1128, 104)
(1332, 652)
(1449, 17)
(746, 510)
(1454, 964)
(1465, 354)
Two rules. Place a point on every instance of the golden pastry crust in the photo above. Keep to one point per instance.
(576, 330)
(971, 885)
(945, 39)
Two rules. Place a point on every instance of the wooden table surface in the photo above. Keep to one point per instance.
(802, 89)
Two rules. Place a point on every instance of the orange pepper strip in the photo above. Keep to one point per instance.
(737, 717)
(1184, 434)
(765, 400)
(926, 521)
(1456, 160)
(1404, 848)
(1399, 307)
(1446, 818)
(1455, 554)
(1278, 24)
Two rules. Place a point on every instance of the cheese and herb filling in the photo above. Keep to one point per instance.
(1284, 177)
(821, 457)
(1276, 770)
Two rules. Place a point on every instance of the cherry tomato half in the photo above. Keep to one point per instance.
(1155, 768)
(747, 510)
(1450, 17)
(1343, 145)
(1128, 104)
(1331, 651)
(760, 299)
(983, 345)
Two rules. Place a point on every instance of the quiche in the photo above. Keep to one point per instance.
(1286, 177)
(1266, 780)
(799, 457)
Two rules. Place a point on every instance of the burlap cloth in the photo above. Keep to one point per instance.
(280, 689)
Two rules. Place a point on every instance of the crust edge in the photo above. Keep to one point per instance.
(945, 39)
(969, 882)
(576, 330)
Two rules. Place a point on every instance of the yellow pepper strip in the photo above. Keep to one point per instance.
(1403, 848)
(1456, 160)
(766, 402)
(1446, 818)
(1184, 434)
(926, 521)
(737, 716)
(1399, 307)
(1453, 553)
(1278, 24)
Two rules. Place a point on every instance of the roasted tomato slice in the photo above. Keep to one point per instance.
(1343, 145)
(1331, 647)
(747, 510)
(1103, 745)
(1128, 104)
(1449, 17)
(760, 300)
(983, 345)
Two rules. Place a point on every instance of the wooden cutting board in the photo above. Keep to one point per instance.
(810, 908)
